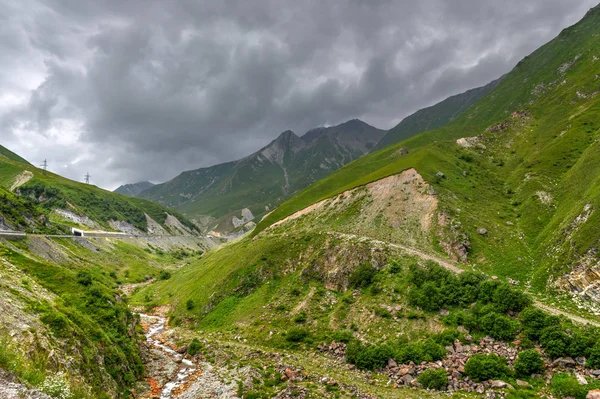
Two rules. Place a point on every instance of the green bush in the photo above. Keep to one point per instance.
(395, 267)
(433, 379)
(164, 275)
(594, 359)
(446, 337)
(344, 336)
(84, 278)
(300, 317)
(195, 347)
(417, 352)
(529, 362)
(486, 367)
(555, 341)
(564, 386)
(297, 334)
(189, 305)
(362, 276)
(498, 326)
(533, 321)
(507, 298)
(368, 357)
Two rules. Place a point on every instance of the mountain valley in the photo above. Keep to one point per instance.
(455, 255)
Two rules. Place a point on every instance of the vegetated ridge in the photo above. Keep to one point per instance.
(38, 201)
(133, 189)
(436, 116)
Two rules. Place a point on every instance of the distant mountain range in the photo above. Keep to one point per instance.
(215, 196)
(262, 180)
(134, 189)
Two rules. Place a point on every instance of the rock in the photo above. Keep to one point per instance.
(523, 384)
(407, 379)
(482, 231)
(593, 394)
(581, 360)
(499, 384)
(182, 349)
(596, 373)
(440, 175)
(581, 379)
(564, 362)
(392, 363)
(444, 312)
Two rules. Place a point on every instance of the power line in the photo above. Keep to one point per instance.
(87, 178)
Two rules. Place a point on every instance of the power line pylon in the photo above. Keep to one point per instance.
(87, 178)
(44, 165)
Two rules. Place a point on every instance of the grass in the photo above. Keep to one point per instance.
(550, 146)
(47, 191)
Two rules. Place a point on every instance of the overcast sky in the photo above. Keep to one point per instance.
(144, 89)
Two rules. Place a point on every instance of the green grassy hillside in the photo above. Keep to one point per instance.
(436, 116)
(527, 176)
(28, 197)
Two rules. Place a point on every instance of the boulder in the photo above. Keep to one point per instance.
(499, 384)
(523, 384)
(581, 379)
(593, 394)
(564, 362)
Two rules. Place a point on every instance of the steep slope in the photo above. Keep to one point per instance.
(436, 116)
(134, 189)
(264, 179)
(515, 175)
(11, 155)
(33, 200)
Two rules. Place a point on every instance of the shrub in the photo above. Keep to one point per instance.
(533, 321)
(344, 336)
(529, 362)
(582, 343)
(564, 385)
(395, 267)
(195, 347)
(446, 337)
(411, 352)
(486, 367)
(498, 326)
(297, 334)
(164, 275)
(433, 379)
(300, 317)
(368, 357)
(362, 276)
(84, 278)
(433, 351)
(487, 289)
(507, 298)
(189, 305)
(594, 359)
(555, 342)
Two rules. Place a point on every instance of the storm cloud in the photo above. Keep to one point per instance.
(144, 89)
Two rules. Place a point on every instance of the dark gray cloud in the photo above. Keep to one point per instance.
(138, 89)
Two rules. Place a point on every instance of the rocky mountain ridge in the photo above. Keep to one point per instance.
(262, 180)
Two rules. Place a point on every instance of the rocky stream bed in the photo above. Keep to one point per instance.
(171, 373)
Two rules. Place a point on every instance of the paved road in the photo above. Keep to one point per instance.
(453, 266)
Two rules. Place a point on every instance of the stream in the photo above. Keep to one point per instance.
(185, 368)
